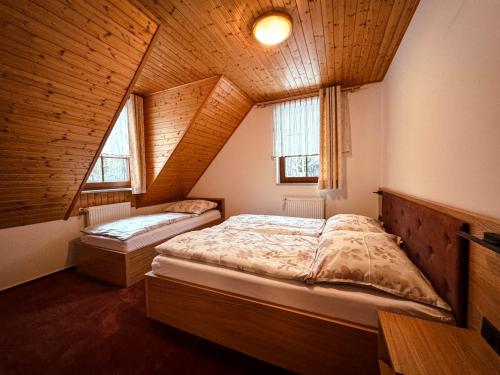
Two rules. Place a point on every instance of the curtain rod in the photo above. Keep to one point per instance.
(302, 96)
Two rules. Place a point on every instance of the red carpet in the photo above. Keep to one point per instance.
(71, 324)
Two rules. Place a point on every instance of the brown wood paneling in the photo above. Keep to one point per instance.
(167, 114)
(484, 264)
(348, 42)
(210, 127)
(65, 68)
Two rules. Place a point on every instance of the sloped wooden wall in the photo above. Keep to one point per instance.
(167, 114)
(209, 129)
(65, 68)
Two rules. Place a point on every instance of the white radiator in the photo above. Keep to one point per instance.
(311, 207)
(108, 212)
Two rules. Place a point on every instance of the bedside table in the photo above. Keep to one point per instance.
(411, 346)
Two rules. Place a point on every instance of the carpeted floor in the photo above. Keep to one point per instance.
(71, 324)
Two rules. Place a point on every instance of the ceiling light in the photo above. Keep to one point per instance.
(272, 28)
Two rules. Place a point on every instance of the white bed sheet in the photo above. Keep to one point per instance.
(344, 302)
(155, 235)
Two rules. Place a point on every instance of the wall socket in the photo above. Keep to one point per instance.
(491, 334)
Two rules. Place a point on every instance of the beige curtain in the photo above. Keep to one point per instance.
(335, 137)
(135, 111)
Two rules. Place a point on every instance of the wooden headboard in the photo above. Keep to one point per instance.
(430, 241)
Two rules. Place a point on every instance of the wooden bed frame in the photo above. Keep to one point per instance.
(296, 340)
(126, 269)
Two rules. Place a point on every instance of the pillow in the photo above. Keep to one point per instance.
(372, 260)
(351, 222)
(193, 206)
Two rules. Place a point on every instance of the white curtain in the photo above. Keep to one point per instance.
(335, 138)
(135, 109)
(296, 127)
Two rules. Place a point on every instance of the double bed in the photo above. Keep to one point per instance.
(287, 320)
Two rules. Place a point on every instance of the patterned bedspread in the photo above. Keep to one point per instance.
(294, 248)
(124, 229)
(276, 224)
(275, 255)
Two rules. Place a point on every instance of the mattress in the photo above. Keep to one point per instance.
(153, 236)
(348, 303)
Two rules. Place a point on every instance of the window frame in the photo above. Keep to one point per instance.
(283, 179)
(105, 185)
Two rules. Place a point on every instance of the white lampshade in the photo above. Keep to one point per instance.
(272, 28)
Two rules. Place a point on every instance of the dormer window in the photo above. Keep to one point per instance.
(112, 169)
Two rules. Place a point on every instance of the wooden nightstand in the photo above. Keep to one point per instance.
(410, 346)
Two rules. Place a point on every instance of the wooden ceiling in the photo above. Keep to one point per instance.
(347, 42)
(65, 68)
(219, 112)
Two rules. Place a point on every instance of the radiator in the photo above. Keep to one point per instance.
(108, 212)
(312, 207)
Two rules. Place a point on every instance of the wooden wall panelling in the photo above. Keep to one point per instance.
(122, 104)
(349, 42)
(166, 116)
(65, 67)
(216, 119)
(484, 264)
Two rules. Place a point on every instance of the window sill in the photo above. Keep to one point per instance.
(296, 183)
(111, 190)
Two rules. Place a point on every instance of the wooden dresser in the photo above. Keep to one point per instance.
(411, 346)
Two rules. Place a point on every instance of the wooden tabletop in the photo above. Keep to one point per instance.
(417, 346)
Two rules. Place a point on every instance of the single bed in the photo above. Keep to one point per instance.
(125, 261)
(310, 329)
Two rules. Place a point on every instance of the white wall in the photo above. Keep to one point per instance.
(36, 250)
(441, 106)
(245, 175)
(32, 251)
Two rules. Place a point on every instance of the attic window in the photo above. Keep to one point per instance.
(112, 169)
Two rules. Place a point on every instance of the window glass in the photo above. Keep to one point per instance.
(295, 166)
(96, 175)
(313, 165)
(115, 169)
(112, 166)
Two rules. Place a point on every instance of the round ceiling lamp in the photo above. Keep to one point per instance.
(272, 28)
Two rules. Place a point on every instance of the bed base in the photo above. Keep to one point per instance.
(296, 340)
(123, 269)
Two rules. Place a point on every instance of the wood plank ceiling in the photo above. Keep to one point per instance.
(65, 68)
(347, 42)
(216, 118)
